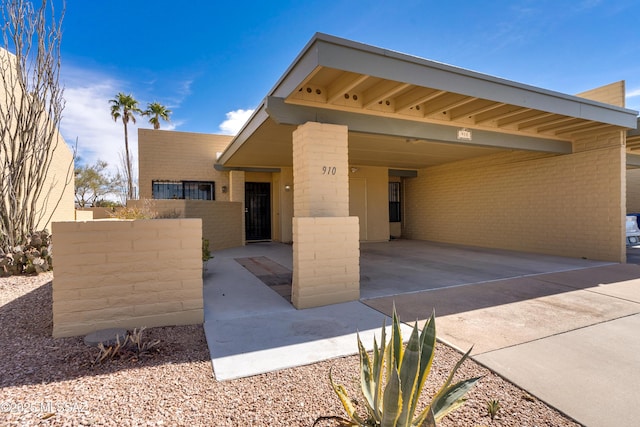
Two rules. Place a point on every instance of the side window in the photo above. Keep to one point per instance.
(192, 190)
(395, 214)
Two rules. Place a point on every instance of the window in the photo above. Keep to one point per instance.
(191, 190)
(395, 214)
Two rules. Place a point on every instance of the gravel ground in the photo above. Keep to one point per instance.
(46, 381)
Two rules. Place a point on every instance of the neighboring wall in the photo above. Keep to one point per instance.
(221, 221)
(58, 198)
(571, 205)
(56, 203)
(180, 156)
(128, 274)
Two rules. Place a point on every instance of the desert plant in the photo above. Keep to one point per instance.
(206, 253)
(33, 257)
(110, 351)
(405, 369)
(131, 346)
(493, 406)
(145, 210)
(141, 347)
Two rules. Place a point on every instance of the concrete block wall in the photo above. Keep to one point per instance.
(222, 222)
(126, 273)
(633, 190)
(569, 205)
(320, 170)
(613, 93)
(326, 259)
(180, 156)
(326, 249)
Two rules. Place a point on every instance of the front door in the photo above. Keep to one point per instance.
(257, 210)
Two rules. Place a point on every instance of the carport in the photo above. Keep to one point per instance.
(481, 161)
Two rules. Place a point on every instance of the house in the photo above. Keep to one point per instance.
(357, 144)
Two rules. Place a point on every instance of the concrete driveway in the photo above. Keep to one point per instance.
(563, 329)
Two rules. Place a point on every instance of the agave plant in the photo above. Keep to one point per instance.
(404, 371)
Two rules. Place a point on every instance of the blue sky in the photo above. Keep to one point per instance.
(212, 62)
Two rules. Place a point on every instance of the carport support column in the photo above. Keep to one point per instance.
(326, 247)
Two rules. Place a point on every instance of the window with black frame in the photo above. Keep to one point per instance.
(190, 190)
(395, 213)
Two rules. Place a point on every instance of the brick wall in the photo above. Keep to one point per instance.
(570, 205)
(180, 156)
(320, 170)
(326, 247)
(222, 222)
(633, 190)
(326, 259)
(112, 273)
(613, 93)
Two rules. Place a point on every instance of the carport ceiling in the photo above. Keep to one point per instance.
(364, 149)
(421, 105)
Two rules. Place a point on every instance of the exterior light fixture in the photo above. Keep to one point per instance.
(287, 187)
(224, 188)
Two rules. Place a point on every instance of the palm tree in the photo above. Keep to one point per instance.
(157, 111)
(125, 107)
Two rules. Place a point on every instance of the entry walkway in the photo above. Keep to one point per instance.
(563, 329)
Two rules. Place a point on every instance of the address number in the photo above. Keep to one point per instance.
(328, 170)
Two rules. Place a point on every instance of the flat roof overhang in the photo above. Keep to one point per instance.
(405, 112)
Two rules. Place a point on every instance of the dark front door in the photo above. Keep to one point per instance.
(257, 210)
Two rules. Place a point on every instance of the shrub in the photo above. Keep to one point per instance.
(132, 347)
(405, 369)
(33, 257)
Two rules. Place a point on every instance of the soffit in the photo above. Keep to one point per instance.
(272, 146)
(339, 75)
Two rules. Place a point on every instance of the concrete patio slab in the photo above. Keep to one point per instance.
(591, 374)
(564, 330)
(404, 266)
(250, 329)
(504, 313)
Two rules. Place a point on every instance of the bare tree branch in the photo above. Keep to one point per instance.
(31, 104)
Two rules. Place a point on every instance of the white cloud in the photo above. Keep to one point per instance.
(87, 118)
(633, 93)
(235, 120)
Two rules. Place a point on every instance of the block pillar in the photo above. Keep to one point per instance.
(326, 247)
(236, 194)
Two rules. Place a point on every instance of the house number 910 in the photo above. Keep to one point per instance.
(328, 170)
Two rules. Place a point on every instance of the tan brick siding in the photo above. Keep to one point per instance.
(320, 170)
(180, 156)
(222, 222)
(613, 93)
(111, 273)
(570, 205)
(633, 190)
(326, 260)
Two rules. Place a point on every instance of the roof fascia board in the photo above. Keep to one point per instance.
(346, 55)
(289, 114)
(255, 121)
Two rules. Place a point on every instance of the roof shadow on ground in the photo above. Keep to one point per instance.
(30, 355)
(476, 296)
